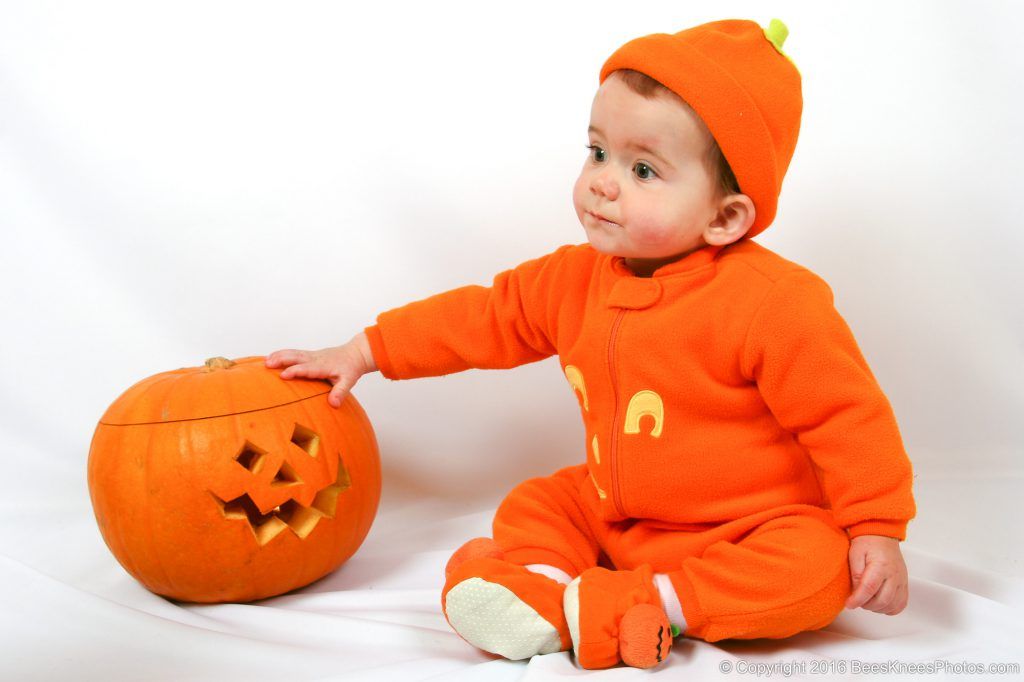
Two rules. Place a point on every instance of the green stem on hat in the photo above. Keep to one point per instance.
(777, 33)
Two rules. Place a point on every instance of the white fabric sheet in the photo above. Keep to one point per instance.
(71, 612)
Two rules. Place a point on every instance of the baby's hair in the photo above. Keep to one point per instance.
(648, 87)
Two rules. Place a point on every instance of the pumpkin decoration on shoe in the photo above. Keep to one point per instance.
(645, 636)
(616, 615)
(226, 483)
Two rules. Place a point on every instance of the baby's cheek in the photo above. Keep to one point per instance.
(651, 232)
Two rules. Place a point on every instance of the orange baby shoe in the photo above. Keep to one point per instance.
(501, 607)
(617, 616)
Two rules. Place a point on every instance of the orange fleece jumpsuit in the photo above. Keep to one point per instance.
(735, 437)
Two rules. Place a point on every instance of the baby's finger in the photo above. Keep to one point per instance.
(340, 390)
(273, 358)
(307, 370)
(882, 599)
(286, 357)
(899, 603)
(866, 588)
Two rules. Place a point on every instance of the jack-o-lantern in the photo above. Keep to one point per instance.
(226, 483)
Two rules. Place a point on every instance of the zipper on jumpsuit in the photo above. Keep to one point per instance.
(613, 462)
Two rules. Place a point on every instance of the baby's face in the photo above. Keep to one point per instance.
(644, 192)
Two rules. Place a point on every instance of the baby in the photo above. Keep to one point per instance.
(744, 472)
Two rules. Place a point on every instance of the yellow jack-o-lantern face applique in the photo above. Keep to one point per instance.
(575, 377)
(645, 403)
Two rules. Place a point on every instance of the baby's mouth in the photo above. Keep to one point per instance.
(600, 218)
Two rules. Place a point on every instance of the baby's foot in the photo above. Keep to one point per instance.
(617, 616)
(501, 607)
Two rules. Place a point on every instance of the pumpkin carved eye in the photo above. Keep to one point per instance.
(251, 457)
(307, 439)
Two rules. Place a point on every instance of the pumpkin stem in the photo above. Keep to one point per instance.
(218, 363)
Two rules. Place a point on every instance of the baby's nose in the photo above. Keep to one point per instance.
(605, 185)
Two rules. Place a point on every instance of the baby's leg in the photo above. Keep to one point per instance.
(505, 595)
(543, 522)
(772, 574)
(551, 527)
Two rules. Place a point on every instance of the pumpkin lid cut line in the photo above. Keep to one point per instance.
(220, 388)
(213, 416)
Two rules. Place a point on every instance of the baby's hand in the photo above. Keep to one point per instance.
(879, 575)
(342, 365)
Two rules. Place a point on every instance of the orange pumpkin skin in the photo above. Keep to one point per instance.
(227, 483)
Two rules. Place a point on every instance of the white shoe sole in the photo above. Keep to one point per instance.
(491, 617)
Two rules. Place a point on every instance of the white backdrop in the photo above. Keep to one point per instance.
(192, 179)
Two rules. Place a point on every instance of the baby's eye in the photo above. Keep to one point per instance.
(596, 152)
(643, 171)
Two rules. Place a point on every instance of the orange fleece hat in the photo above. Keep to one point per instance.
(736, 77)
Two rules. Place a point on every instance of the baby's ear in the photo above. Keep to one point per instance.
(735, 216)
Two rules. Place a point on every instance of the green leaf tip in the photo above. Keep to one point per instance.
(776, 33)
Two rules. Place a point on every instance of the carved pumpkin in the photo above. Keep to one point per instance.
(226, 483)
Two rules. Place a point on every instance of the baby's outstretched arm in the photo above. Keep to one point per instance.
(342, 365)
(879, 575)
